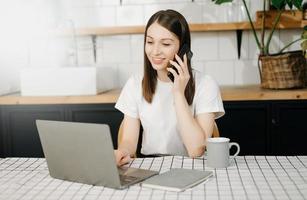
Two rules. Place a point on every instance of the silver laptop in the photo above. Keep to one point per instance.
(84, 153)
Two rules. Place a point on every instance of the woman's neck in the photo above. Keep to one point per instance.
(162, 75)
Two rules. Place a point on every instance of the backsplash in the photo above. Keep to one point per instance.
(215, 53)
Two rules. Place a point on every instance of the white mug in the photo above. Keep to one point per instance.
(218, 152)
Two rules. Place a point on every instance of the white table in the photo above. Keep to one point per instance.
(249, 177)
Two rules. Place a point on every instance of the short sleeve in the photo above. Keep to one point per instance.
(127, 101)
(208, 98)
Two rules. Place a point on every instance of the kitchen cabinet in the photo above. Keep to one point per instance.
(289, 128)
(1, 138)
(19, 135)
(247, 123)
(266, 127)
(273, 127)
(97, 113)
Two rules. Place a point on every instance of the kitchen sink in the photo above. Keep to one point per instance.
(66, 81)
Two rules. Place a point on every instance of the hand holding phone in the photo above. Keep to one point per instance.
(184, 50)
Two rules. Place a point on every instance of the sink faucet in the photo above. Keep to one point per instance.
(74, 53)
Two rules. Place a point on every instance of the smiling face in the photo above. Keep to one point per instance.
(161, 45)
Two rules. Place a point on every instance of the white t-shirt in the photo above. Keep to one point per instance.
(161, 134)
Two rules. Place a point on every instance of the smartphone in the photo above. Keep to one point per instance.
(184, 50)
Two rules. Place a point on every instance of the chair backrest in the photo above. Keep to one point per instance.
(215, 133)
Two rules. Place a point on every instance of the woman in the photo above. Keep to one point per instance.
(177, 117)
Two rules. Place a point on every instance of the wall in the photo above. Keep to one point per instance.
(215, 53)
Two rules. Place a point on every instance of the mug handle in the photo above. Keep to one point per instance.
(231, 144)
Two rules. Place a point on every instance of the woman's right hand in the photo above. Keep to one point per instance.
(122, 157)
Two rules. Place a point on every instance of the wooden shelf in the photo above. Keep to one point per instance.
(220, 26)
(140, 29)
(121, 30)
(288, 20)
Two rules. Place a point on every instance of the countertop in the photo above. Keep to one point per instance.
(229, 93)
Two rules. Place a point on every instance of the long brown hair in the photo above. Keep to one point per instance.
(175, 23)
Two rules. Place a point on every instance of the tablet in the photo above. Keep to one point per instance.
(177, 180)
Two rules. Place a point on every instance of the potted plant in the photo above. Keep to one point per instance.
(283, 69)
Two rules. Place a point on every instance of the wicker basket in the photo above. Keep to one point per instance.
(283, 71)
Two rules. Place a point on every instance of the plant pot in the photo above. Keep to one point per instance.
(283, 71)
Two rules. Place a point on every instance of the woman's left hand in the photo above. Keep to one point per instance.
(182, 78)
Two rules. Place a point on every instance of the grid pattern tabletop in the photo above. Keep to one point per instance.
(248, 177)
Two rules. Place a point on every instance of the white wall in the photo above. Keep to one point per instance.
(22, 43)
(215, 53)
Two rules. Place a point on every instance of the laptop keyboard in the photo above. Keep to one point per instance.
(124, 179)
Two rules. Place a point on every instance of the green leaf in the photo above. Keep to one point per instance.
(221, 1)
(304, 45)
(279, 4)
(304, 34)
(290, 4)
(298, 4)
